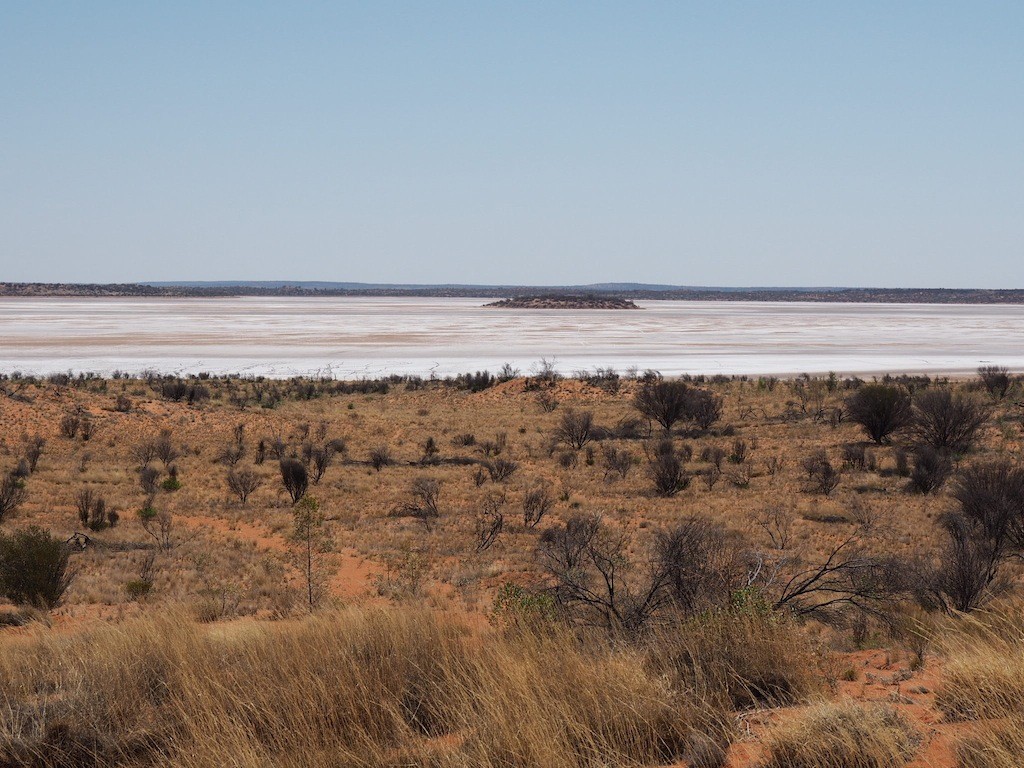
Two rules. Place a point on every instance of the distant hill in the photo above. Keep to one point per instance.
(626, 291)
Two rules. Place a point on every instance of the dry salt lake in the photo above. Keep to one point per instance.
(357, 337)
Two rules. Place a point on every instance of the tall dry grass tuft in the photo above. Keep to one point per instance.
(983, 679)
(740, 659)
(843, 735)
(383, 688)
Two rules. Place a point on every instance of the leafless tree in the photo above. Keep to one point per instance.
(947, 421)
(931, 470)
(243, 483)
(575, 428)
(847, 578)
(143, 453)
(148, 480)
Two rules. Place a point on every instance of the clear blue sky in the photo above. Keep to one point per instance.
(714, 143)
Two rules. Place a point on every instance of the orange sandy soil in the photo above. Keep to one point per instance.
(241, 555)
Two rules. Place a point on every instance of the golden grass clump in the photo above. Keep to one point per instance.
(358, 687)
(983, 679)
(842, 735)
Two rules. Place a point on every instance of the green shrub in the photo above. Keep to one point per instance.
(33, 568)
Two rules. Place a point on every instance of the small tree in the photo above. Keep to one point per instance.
(311, 542)
(575, 428)
(947, 421)
(995, 379)
(880, 410)
(666, 470)
(294, 478)
(665, 402)
(703, 408)
(243, 483)
(34, 568)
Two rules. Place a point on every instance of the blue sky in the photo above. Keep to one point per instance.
(719, 143)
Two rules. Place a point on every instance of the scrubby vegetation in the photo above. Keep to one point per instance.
(221, 570)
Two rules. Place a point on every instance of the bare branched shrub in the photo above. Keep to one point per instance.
(33, 451)
(711, 476)
(666, 470)
(320, 459)
(847, 578)
(380, 457)
(231, 454)
(880, 409)
(854, 456)
(996, 380)
(149, 478)
(489, 521)
(12, 495)
(739, 451)
(821, 475)
(704, 408)
(663, 401)
(92, 510)
(697, 565)
(243, 483)
(713, 455)
(426, 493)
(142, 453)
(777, 524)
(537, 502)
(948, 421)
(575, 428)
(931, 470)
(164, 448)
(69, 425)
(501, 469)
(616, 461)
(294, 478)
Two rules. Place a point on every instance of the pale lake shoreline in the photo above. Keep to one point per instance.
(359, 337)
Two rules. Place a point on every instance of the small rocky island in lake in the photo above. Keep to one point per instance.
(563, 301)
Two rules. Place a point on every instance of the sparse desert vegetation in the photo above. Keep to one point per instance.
(743, 571)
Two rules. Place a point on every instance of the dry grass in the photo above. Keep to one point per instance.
(372, 687)
(842, 735)
(983, 681)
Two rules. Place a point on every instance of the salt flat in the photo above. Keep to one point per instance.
(355, 337)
